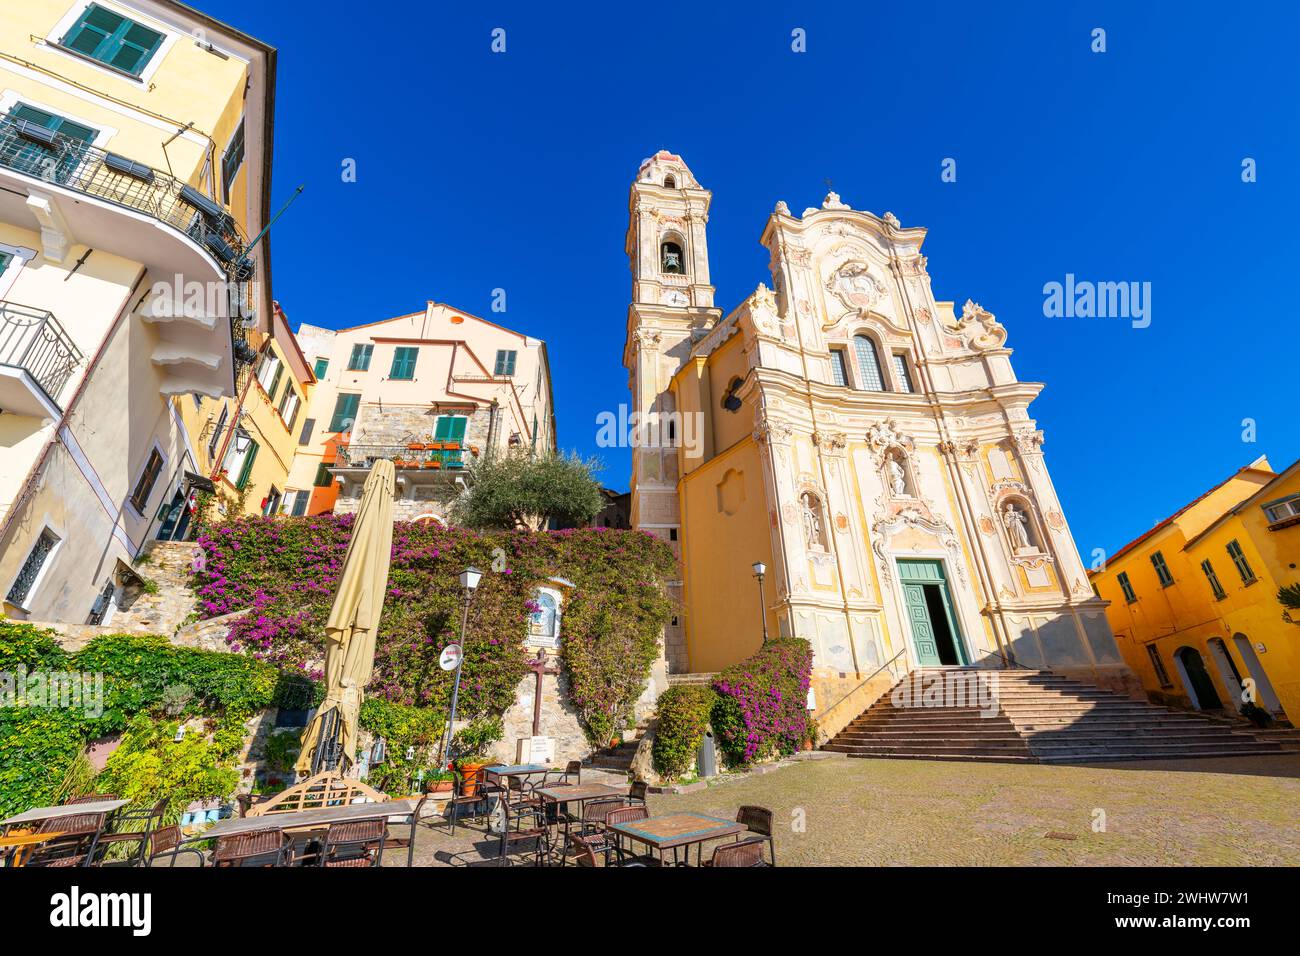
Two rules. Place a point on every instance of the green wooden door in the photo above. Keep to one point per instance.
(916, 575)
(918, 616)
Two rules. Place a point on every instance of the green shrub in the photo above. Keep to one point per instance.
(683, 719)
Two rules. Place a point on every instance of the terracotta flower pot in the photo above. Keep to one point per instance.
(438, 786)
(472, 774)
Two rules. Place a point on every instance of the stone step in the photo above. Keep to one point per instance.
(932, 751)
(1172, 754)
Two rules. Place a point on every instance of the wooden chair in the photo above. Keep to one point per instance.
(759, 821)
(261, 848)
(77, 844)
(356, 843)
(636, 793)
(149, 818)
(627, 815)
(743, 853)
(165, 842)
(408, 841)
(90, 798)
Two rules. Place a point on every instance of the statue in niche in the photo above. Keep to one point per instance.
(897, 476)
(1017, 528)
(812, 521)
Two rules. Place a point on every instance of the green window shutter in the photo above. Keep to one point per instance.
(505, 364)
(323, 477)
(403, 363)
(360, 358)
(457, 428)
(248, 465)
(345, 413)
(322, 365)
(113, 39)
(440, 428)
(4, 261)
(275, 381)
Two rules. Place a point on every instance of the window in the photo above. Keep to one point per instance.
(730, 400)
(1239, 559)
(323, 477)
(839, 367)
(670, 259)
(56, 161)
(271, 505)
(1159, 666)
(360, 358)
(450, 428)
(22, 587)
(246, 468)
(148, 478)
(1283, 510)
(345, 413)
(298, 505)
(5, 259)
(505, 363)
(322, 366)
(268, 373)
(215, 440)
(670, 182)
(308, 427)
(1162, 570)
(112, 39)
(1129, 595)
(289, 406)
(403, 363)
(1215, 586)
(902, 373)
(868, 364)
(232, 159)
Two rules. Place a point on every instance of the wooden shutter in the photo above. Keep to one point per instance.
(248, 465)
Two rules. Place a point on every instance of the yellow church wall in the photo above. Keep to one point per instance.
(726, 364)
(728, 531)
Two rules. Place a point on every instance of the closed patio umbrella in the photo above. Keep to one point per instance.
(353, 621)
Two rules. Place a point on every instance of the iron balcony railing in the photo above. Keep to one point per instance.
(33, 340)
(430, 456)
(66, 161)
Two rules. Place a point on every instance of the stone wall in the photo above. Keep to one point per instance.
(559, 720)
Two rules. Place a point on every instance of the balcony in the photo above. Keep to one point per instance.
(37, 357)
(75, 193)
(429, 457)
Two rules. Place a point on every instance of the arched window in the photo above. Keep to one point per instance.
(731, 401)
(869, 376)
(670, 183)
(670, 259)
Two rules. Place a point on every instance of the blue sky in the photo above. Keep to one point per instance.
(479, 171)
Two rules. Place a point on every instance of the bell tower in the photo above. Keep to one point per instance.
(672, 306)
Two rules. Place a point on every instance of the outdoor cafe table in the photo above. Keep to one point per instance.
(579, 794)
(11, 847)
(37, 814)
(302, 822)
(496, 818)
(673, 830)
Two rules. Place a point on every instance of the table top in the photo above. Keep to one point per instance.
(44, 813)
(514, 770)
(678, 829)
(320, 817)
(579, 793)
(26, 839)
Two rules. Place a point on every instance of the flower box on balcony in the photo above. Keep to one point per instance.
(128, 167)
(202, 203)
(451, 445)
(415, 446)
(435, 446)
(431, 464)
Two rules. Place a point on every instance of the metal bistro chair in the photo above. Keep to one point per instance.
(165, 842)
(522, 801)
(77, 844)
(538, 832)
(260, 848)
(758, 820)
(628, 815)
(571, 774)
(90, 798)
(484, 789)
(150, 818)
(744, 853)
(356, 843)
(408, 841)
(636, 793)
(591, 824)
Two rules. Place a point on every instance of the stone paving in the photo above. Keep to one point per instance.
(1242, 811)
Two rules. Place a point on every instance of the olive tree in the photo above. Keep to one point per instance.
(519, 490)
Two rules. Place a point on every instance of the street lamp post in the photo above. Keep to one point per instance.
(469, 579)
(759, 570)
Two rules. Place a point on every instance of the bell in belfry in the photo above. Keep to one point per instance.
(672, 259)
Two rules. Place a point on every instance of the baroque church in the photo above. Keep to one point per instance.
(865, 443)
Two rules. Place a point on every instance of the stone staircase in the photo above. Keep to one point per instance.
(1036, 717)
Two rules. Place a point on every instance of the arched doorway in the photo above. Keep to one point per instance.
(1264, 695)
(1229, 676)
(1191, 668)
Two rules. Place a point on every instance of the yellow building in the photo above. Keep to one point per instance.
(135, 156)
(1193, 602)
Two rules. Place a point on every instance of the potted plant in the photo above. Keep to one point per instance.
(810, 734)
(438, 781)
(472, 743)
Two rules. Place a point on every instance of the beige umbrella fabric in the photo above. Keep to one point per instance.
(354, 617)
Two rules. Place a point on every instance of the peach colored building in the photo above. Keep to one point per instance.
(433, 391)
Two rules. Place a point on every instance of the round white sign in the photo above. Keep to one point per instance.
(450, 657)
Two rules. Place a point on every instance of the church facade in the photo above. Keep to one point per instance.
(868, 445)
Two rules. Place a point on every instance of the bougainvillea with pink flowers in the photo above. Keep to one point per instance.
(283, 571)
(761, 711)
